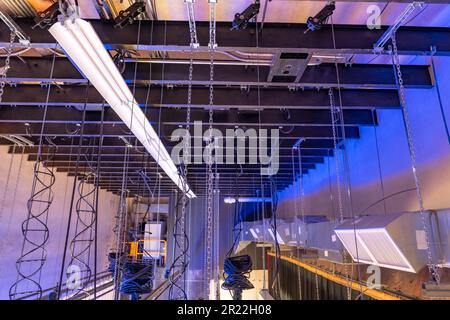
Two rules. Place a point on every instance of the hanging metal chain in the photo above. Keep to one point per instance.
(432, 267)
(7, 64)
(212, 46)
(181, 259)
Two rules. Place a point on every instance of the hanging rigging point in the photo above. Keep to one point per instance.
(321, 18)
(241, 20)
(14, 27)
(390, 32)
(127, 16)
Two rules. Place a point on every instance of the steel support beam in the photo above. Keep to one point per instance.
(174, 35)
(170, 116)
(321, 76)
(93, 131)
(224, 98)
(117, 150)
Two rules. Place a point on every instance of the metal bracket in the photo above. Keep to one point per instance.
(45, 19)
(192, 28)
(14, 27)
(127, 16)
(298, 143)
(241, 20)
(379, 45)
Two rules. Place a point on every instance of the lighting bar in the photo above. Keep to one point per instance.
(82, 45)
(231, 200)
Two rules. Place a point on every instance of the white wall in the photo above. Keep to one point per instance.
(432, 151)
(15, 211)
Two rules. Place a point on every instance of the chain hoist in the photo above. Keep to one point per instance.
(210, 176)
(432, 267)
(7, 64)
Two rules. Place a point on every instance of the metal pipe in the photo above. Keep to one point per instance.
(200, 62)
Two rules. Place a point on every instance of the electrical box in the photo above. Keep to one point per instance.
(288, 67)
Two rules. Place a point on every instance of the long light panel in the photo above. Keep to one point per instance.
(81, 43)
(231, 200)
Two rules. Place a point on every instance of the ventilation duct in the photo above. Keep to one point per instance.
(395, 241)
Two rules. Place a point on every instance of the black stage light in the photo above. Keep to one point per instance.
(241, 20)
(316, 22)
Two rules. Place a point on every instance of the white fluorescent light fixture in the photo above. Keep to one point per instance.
(81, 43)
(231, 200)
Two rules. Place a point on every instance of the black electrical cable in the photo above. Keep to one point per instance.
(136, 276)
(97, 188)
(236, 273)
(274, 195)
(80, 143)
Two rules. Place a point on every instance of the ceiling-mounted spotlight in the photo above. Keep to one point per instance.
(241, 20)
(316, 22)
(127, 16)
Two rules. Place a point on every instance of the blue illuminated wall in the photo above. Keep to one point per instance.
(427, 113)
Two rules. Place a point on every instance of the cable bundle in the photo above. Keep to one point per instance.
(112, 258)
(137, 278)
(237, 270)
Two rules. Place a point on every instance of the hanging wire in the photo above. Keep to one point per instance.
(74, 189)
(16, 185)
(97, 191)
(181, 259)
(337, 113)
(35, 231)
(380, 173)
(262, 184)
(297, 196)
(8, 176)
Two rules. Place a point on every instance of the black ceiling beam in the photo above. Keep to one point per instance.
(105, 171)
(138, 158)
(115, 142)
(255, 176)
(61, 161)
(138, 166)
(324, 75)
(93, 131)
(33, 114)
(174, 35)
(284, 152)
(223, 97)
